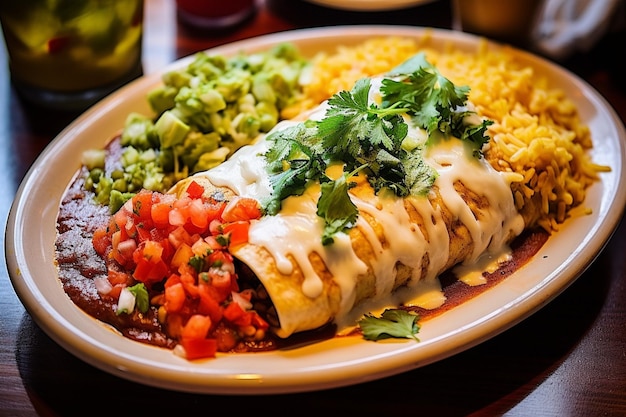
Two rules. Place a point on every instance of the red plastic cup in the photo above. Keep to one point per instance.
(215, 14)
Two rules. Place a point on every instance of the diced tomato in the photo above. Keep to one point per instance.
(116, 238)
(208, 304)
(142, 270)
(240, 317)
(188, 281)
(116, 290)
(116, 277)
(126, 248)
(142, 205)
(241, 208)
(168, 250)
(159, 212)
(237, 232)
(178, 216)
(181, 256)
(150, 272)
(120, 219)
(201, 248)
(197, 327)
(215, 209)
(101, 241)
(195, 190)
(233, 312)
(199, 348)
(174, 297)
(160, 235)
(158, 272)
(258, 322)
(213, 243)
(182, 202)
(152, 251)
(220, 279)
(198, 214)
(194, 338)
(179, 236)
(172, 280)
(123, 251)
(219, 258)
(142, 233)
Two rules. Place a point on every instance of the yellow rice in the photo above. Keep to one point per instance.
(537, 131)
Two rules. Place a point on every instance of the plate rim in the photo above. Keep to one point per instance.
(90, 349)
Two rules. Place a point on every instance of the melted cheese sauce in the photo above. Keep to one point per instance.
(297, 229)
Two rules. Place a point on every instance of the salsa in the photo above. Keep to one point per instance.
(159, 269)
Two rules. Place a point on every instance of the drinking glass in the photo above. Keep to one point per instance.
(68, 54)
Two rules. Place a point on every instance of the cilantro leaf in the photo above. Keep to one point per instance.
(336, 207)
(351, 123)
(388, 172)
(433, 101)
(140, 292)
(420, 176)
(476, 135)
(393, 323)
(292, 162)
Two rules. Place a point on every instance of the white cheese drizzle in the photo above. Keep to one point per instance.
(296, 230)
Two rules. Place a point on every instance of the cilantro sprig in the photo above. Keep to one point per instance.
(393, 323)
(354, 128)
(433, 101)
(368, 139)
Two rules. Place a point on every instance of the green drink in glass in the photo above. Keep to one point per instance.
(70, 53)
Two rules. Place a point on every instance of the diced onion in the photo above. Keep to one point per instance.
(179, 350)
(244, 303)
(103, 285)
(127, 247)
(128, 205)
(126, 302)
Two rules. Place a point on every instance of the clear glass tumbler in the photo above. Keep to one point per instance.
(68, 54)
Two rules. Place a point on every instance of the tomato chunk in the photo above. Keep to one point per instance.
(174, 297)
(241, 208)
(199, 348)
(195, 190)
(101, 241)
(197, 327)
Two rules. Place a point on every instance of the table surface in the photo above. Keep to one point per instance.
(569, 358)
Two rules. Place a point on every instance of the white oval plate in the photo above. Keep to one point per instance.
(31, 232)
(369, 5)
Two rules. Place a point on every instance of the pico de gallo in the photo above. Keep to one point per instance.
(171, 253)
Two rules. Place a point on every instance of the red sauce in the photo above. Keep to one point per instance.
(457, 292)
(79, 265)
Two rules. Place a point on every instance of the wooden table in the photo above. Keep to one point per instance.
(567, 359)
